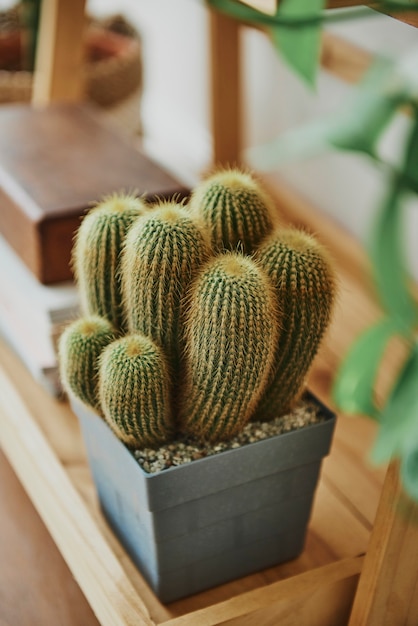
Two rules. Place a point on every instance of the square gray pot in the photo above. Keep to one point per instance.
(201, 524)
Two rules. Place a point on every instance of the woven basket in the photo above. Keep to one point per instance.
(113, 71)
(113, 68)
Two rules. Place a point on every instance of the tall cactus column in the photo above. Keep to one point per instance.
(96, 255)
(231, 333)
(163, 252)
(305, 287)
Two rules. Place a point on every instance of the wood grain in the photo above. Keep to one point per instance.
(55, 162)
(59, 60)
(98, 571)
(283, 602)
(347, 61)
(36, 585)
(386, 595)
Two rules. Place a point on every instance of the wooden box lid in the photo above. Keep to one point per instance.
(54, 163)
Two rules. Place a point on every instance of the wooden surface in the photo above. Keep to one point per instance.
(344, 59)
(55, 162)
(36, 586)
(388, 590)
(41, 439)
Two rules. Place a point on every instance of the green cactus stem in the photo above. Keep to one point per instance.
(235, 209)
(135, 391)
(96, 255)
(80, 346)
(305, 285)
(163, 252)
(231, 332)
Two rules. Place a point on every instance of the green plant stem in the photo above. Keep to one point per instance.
(247, 14)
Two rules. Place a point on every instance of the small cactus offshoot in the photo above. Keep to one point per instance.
(80, 346)
(135, 391)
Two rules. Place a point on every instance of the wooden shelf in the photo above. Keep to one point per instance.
(41, 438)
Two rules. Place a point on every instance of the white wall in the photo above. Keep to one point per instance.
(176, 100)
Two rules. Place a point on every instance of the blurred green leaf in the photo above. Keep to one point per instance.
(410, 170)
(301, 143)
(409, 471)
(246, 13)
(353, 389)
(300, 47)
(387, 255)
(356, 126)
(360, 124)
(240, 11)
(398, 432)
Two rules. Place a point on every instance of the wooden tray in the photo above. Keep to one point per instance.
(41, 439)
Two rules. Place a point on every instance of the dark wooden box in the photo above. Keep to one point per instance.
(55, 162)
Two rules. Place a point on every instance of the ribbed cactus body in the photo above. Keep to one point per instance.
(96, 256)
(305, 288)
(231, 332)
(135, 391)
(163, 252)
(80, 346)
(235, 209)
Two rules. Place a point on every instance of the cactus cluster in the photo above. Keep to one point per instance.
(198, 317)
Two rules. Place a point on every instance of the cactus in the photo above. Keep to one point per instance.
(235, 209)
(231, 331)
(163, 251)
(214, 341)
(305, 286)
(96, 255)
(134, 391)
(80, 346)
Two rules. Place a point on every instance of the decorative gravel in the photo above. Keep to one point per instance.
(185, 450)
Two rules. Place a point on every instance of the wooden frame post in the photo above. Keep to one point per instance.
(59, 59)
(225, 89)
(387, 593)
